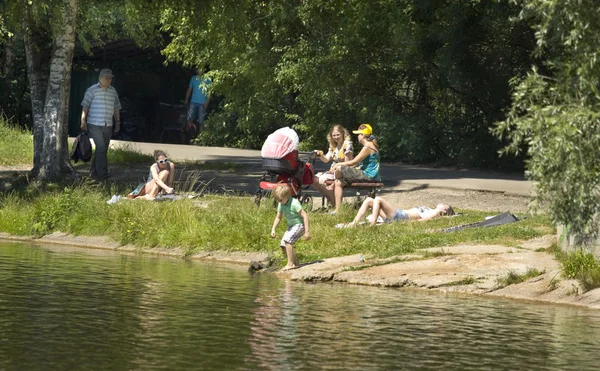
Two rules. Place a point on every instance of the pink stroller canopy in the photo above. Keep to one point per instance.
(280, 143)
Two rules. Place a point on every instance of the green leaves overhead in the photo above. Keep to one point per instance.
(555, 114)
(432, 76)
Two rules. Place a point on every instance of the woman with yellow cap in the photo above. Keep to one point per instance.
(347, 172)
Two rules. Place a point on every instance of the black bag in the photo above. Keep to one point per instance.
(82, 148)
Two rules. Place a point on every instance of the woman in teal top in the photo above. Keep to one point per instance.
(346, 172)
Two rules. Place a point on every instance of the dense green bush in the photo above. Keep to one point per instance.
(555, 116)
(431, 77)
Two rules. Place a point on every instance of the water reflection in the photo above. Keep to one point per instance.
(66, 308)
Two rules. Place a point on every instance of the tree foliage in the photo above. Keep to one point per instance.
(48, 30)
(556, 108)
(432, 76)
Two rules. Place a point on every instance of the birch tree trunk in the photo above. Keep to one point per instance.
(49, 80)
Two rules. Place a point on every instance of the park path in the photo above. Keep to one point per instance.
(394, 176)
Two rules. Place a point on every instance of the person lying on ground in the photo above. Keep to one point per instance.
(383, 208)
(340, 150)
(160, 179)
(347, 173)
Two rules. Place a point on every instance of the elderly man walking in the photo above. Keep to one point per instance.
(100, 105)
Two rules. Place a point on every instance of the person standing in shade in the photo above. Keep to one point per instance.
(198, 90)
(100, 106)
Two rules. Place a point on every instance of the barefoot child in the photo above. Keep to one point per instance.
(297, 221)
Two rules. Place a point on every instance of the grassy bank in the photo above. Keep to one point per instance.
(579, 265)
(215, 222)
(232, 224)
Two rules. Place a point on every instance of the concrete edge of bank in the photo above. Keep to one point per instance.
(390, 275)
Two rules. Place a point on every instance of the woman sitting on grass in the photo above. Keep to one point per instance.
(388, 212)
(160, 179)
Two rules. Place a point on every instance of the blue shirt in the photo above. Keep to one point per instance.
(199, 87)
(102, 104)
(370, 165)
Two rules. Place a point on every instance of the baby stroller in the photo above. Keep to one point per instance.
(283, 165)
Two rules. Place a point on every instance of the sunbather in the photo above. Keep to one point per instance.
(384, 209)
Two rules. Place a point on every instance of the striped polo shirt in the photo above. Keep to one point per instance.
(102, 103)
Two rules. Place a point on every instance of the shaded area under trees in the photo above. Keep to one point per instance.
(431, 76)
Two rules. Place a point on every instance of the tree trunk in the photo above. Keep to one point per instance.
(37, 55)
(50, 87)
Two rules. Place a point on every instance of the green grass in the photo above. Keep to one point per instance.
(513, 277)
(579, 265)
(16, 144)
(126, 156)
(16, 148)
(223, 222)
(231, 224)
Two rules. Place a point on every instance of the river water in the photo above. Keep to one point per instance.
(81, 309)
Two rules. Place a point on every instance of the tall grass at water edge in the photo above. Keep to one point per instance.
(580, 265)
(234, 224)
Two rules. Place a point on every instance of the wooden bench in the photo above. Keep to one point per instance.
(371, 187)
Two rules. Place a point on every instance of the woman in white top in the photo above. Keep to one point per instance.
(340, 150)
(388, 212)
